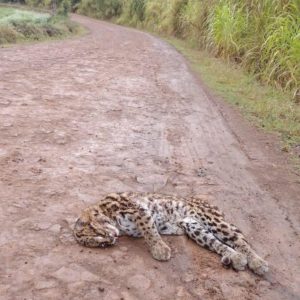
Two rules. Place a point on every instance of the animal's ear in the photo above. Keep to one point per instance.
(79, 224)
(82, 221)
(86, 216)
(98, 228)
(99, 217)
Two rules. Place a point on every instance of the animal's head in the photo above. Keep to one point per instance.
(95, 230)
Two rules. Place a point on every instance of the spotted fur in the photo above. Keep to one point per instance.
(150, 215)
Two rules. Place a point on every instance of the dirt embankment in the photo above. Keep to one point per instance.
(119, 110)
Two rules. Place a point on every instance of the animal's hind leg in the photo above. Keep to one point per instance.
(206, 239)
(233, 237)
(229, 235)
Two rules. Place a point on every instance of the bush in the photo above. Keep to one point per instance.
(25, 25)
(155, 15)
(7, 35)
(28, 30)
(103, 9)
(64, 7)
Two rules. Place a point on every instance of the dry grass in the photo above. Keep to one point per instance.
(21, 25)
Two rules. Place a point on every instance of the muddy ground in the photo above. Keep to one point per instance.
(120, 110)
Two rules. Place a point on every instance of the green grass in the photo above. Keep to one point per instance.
(18, 25)
(266, 106)
(9, 15)
(4, 12)
(262, 36)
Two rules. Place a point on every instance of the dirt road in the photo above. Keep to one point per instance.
(120, 110)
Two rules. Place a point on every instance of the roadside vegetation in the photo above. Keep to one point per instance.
(262, 36)
(247, 50)
(17, 25)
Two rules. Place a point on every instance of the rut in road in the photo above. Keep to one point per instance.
(119, 110)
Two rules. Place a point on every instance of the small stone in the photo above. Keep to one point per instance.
(45, 284)
(4, 288)
(124, 249)
(264, 284)
(77, 286)
(101, 289)
(3, 152)
(44, 225)
(41, 160)
(209, 284)
(188, 277)
(112, 296)
(55, 228)
(154, 179)
(67, 275)
(246, 280)
(199, 292)
(70, 222)
(117, 255)
(5, 102)
(139, 282)
(75, 273)
(128, 296)
(88, 276)
(226, 290)
(182, 294)
(201, 172)
(67, 238)
(212, 286)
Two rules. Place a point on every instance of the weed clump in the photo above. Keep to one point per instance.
(19, 25)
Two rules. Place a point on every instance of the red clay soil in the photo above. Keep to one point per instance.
(119, 110)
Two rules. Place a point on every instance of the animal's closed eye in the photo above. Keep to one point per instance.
(79, 223)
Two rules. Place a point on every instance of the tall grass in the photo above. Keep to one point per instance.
(10, 15)
(156, 16)
(227, 26)
(261, 35)
(102, 9)
(133, 12)
(280, 52)
(195, 23)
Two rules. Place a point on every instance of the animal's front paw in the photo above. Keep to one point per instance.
(105, 241)
(258, 265)
(236, 259)
(161, 251)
